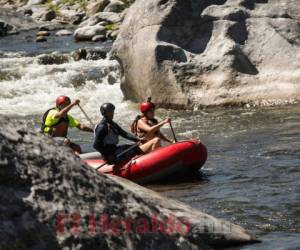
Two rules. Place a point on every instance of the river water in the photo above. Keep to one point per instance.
(252, 173)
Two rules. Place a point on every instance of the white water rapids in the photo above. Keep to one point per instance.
(29, 88)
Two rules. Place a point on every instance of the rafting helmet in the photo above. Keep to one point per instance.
(106, 107)
(62, 99)
(146, 106)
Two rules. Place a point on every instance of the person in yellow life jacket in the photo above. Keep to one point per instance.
(147, 127)
(56, 122)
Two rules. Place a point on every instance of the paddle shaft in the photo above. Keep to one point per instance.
(85, 114)
(174, 136)
(119, 155)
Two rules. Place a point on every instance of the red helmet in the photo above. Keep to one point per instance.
(146, 106)
(62, 99)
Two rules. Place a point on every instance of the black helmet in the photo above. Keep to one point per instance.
(106, 107)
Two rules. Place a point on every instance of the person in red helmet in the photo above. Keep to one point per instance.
(145, 126)
(56, 122)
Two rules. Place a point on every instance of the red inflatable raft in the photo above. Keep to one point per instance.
(184, 156)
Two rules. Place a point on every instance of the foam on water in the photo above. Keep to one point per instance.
(29, 88)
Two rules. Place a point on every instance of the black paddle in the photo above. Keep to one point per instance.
(119, 155)
(174, 136)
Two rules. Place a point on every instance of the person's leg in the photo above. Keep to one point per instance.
(75, 147)
(127, 152)
(67, 142)
(62, 141)
(150, 145)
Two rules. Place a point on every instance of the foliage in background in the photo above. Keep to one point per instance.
(112, 26)
(81, 5)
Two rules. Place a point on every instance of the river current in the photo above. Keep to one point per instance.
(252, 175)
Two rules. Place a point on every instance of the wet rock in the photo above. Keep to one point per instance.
(210, 52)
(50, 27)
(77, 18)
(43, 33)
(41, 39)
(64, 33)
(45, 28)
(87, 33)
(50, 196)
(115, 6)
(98, 38)
(49, 59)
(96, 53)
(79, 54)
(97, 6)
(89, 54)
(48, 15)
(111, 79)
(6, 28)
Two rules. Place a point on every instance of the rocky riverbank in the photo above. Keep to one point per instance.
(184, 54)
(50, 199)
(96, 21)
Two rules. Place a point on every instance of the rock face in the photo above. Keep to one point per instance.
(15, 20)
(188, 53)
(50, 200)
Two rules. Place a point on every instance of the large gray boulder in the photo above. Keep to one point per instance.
(188, 53)
(15, 20)
(50, 200)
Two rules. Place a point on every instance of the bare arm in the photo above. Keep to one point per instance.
(144, 126)
(65, 110)
(84, 128)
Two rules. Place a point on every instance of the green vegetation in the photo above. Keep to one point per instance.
(80, 5)
(112, 26)
(52, 6)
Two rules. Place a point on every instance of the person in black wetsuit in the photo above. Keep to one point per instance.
(107, 134)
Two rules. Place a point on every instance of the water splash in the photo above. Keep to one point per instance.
(29, 88)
